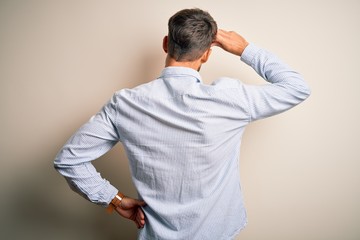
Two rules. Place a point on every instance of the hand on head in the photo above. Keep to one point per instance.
(230, 41)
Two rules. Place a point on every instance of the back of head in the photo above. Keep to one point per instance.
(191, 32)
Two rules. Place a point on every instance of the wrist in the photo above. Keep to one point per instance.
(242, 47)
(115, 202)
(249, 53)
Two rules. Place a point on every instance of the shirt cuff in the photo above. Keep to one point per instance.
(249, 53)
(111, 192)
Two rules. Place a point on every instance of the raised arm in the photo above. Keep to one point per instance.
(287, 88)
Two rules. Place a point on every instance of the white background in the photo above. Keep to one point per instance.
(60, 61)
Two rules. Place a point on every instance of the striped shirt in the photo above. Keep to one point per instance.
(182, 139)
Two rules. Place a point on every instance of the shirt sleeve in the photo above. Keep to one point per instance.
(287, 88)
(91, 141)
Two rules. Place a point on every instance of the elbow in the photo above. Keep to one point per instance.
(306, 91)
(57, 161)
(60, 161)
(303, 90)
(300, 93)
(57, 165)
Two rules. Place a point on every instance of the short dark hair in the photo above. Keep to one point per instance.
(191, 33)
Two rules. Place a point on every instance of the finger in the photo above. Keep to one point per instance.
(140, 217)
(140, 224)
(141, 213)
(142, 203)
(137, 220)
(221, 33)
(215, 44)
(220, 38)
(137, 224)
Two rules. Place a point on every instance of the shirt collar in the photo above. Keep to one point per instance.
(180, 72)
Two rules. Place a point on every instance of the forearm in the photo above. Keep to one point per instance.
(273, 70)
(86, 181)
(91, 141)
(74, 163)
(287, 88)
(266, 64)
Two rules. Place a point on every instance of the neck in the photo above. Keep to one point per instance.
(170, 62)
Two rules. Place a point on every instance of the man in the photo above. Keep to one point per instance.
(182, 137)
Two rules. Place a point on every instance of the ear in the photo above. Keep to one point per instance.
(206, 56)
(165, 44)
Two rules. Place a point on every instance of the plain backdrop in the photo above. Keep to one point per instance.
(60, 61)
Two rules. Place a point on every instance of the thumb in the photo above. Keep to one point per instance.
(141, 203)
(215, 44)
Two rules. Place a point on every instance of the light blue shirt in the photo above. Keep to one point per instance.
(182, 139)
